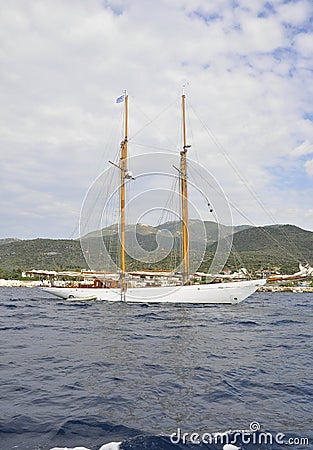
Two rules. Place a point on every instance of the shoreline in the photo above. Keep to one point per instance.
(294, 289)
(266, 288)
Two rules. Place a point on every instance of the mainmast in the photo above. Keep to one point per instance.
(124, 175)
(184, 196)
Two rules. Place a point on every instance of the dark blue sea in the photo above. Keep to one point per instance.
(155, 377)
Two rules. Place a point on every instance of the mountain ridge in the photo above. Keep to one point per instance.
(280, 245)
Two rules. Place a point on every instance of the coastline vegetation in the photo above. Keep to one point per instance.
(274, 248)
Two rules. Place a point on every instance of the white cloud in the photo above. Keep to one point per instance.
(309, 167)
(305, 148)
(295, 13)
(303, 43)
(62, 66)
(261, 34)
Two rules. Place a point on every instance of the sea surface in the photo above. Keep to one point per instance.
(155, 377)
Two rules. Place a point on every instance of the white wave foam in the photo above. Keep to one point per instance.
(67, 448)
(230, 447)
(109, 446)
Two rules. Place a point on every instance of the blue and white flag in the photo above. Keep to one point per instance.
(120, 99)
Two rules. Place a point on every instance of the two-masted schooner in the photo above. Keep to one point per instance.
(225, 293)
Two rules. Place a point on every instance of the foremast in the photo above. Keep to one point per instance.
(184, 196)
(124, 172)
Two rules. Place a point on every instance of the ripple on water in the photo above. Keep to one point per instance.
(87, 374)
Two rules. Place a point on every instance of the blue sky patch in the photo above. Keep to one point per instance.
(291, 174)
(207, 18)
(308, 116)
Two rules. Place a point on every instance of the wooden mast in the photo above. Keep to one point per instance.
(124, 171)
(184, 196)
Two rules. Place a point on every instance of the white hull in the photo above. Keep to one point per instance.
(219, 293)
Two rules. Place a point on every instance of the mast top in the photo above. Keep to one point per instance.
(184, 87)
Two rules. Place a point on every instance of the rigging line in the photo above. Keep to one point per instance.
(234, 167)
(150, 120)
(238, 258)
(75, 232)
(274, 240)
(240, 176)
(194, 147)
(169, 201)
(255, 225)
(110, 142)
(154, 147)
(117, 155)
(110, 177)
(101, 192)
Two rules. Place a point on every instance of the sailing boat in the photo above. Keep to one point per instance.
(219, 293)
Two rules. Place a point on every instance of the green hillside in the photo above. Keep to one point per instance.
(282, 246)
(196, 229)
(8, 240)
(49, 254)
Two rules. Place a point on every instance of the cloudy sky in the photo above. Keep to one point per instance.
(247, 66)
